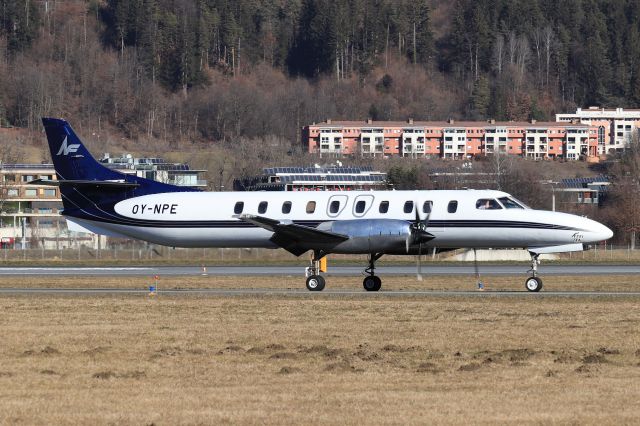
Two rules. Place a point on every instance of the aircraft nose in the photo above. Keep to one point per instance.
(598, 231)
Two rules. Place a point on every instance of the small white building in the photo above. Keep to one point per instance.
(413, 139)
(372, 142)
(616, 126)
(179, 174)
(455, 142)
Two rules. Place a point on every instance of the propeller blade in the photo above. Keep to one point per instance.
(426, 219)
(419, 273)
(419, 234)
(475, 264)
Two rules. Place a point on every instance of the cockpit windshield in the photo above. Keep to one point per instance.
(512, 203)
(488, 204)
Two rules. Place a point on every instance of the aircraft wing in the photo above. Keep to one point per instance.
(294, 238)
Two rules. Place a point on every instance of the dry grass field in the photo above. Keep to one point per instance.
(289, 360)
(461, 282)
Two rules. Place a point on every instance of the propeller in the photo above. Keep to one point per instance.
(419, 270)
(419, 235)
(477, 269)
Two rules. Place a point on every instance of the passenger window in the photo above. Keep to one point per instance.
(360, 205)
(452, 207)
(262, 207)
(384, 207)
(426, 207)
(408, 207)
(286, 207)
(488, 204)
(311, 207)
(238, 207)
(334, 207)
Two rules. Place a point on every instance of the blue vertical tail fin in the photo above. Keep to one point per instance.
(88, 188)
(71, 158)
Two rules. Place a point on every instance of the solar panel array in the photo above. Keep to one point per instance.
(584, 182)
(169, 166)
(26, 166)
(332, 178)
(331, 170)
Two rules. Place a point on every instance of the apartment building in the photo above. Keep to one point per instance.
(33, 211)
(453, 140)
(615, 126)
(38, 204)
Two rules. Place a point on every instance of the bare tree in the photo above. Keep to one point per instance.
(625, 210)
(537, 37)
(523, 54)
(512, 47)
(624, 197)
(498, 53)
(547, 39)
(500, 166)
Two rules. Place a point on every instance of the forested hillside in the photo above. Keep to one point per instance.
(228, 84)
(209, 70)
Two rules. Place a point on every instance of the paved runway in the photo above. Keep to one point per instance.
(486, 270)
(333, 270)
(336, 293)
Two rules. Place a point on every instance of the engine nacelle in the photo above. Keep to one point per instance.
(370, 235)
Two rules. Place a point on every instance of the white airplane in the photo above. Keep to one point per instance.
(103, 201)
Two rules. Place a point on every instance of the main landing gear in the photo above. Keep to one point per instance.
(534, 283)
(315, 281)
(372, 282)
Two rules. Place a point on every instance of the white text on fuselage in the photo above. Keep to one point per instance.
(154, 208)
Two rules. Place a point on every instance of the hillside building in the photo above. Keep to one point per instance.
(157, 169)
(315, 178)
(615, 127)
(33, 211)
(452, 140)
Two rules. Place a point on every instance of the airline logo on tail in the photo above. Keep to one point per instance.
(66, 149)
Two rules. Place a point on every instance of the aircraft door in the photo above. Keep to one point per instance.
(362, 204)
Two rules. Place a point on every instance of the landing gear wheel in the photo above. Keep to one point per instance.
(372, 283)
(315, 283)
(533, 284)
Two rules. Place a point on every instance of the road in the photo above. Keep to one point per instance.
(485, 270)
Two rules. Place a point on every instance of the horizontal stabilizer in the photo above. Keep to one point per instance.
(292, 237)
(94, 183)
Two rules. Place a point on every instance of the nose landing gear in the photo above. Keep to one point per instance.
(533, 283)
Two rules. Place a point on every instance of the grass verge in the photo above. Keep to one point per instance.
(278, 360)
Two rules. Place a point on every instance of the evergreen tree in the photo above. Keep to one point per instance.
(19, 23)
(480, 97)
